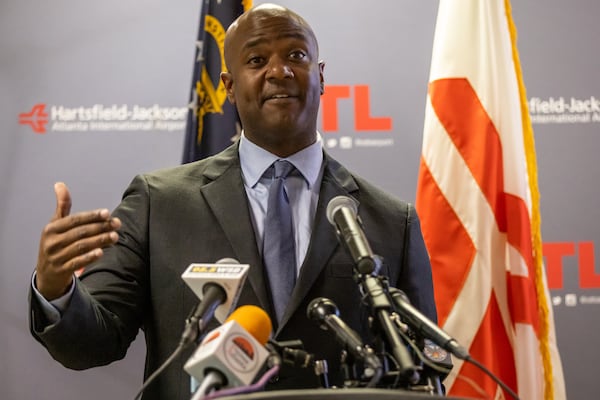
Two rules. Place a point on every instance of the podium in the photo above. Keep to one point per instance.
(337, 394)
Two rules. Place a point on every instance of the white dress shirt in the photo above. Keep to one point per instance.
(302, 189)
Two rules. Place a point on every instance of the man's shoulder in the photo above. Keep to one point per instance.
(205, 169)
(367, 193)
(371, 193)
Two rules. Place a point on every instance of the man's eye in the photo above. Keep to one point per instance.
(255, 60)
(298, 55)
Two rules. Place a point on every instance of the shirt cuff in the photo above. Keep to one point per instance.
(53, 309)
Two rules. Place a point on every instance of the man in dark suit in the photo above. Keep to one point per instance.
(215, 208)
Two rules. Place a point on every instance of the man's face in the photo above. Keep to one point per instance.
(275, 81)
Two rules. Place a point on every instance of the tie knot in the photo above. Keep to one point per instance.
(283, 168)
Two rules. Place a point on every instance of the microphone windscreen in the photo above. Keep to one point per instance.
(227, 260)
(254, 320)
(336, 203)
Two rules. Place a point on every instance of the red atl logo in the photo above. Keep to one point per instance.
(37, 118)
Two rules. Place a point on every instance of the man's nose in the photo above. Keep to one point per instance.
(279, 68)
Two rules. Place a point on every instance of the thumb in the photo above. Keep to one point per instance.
(63, 201)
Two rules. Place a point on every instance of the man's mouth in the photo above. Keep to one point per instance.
(278, 96)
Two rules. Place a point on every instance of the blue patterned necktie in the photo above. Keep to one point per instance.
(279, 254)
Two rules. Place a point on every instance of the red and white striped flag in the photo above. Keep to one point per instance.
(478, 201)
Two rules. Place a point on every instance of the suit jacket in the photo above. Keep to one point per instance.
(199, 212)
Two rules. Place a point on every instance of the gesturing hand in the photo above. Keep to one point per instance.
(70, 242)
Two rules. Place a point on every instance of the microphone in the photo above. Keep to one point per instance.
(325, 312)
(291, 352)
(424, 326)
(232, 354)
(342, 214)
(427, 328)
(218, 286)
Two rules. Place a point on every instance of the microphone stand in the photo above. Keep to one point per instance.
(210, 383)
(381, 306)
(195, 324)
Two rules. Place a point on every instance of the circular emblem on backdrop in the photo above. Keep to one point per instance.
(240, 353)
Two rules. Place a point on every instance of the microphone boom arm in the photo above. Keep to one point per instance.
(381, 306)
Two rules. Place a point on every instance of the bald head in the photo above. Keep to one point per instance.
(255, 19)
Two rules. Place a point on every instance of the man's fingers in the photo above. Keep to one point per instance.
(77, 263)
(63, 201)
(100, 218)
(76, 241)
(85, 252)
(84, 247)
(53, 285)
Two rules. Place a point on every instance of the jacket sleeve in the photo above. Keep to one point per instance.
(416, 273)
(109, 302)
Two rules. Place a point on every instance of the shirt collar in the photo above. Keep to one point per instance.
(255, 160)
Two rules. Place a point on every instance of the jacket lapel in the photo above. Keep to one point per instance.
(226, 196)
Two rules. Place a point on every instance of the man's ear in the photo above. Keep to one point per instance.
(322, 75)
(227, 80)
